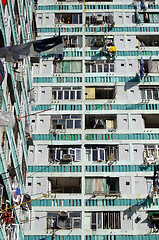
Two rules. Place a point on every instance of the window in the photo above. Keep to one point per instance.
(68, 18)
(65, 154)
(150, 93)
(101, 185)
(109, 153)
(99, 18)
(66, 122)
(68, 67)
(66, 93)
(73, 221)
(105, 220)
(151, 152)
(100, 67)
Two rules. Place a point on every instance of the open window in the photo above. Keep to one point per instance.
(151, 154)
(68, 18)
(101, 122)
(108, 153)
(151, 120)
(65, 184)
(99, 93)
(64, 154)
(147, 40)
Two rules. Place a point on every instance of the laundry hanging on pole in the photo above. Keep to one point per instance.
(15, 53)
(142, 69)
(2, 72)
(150, 64)
(4, 2)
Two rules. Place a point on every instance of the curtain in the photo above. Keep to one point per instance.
(96, 185)
(76, 67)
(65, 67)
(154, 18)
(89, 185)
(140, 17)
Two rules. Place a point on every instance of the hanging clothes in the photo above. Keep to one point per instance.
(4, 2)
(26, 200)
(6, 216)
(142, 4)
(18, 52)
(2, 72)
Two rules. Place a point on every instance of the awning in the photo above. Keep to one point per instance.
(152, 213)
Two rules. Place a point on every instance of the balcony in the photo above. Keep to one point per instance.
(147, 41)
(68, 18)
(107, 122)
(99, 93)
(151, 121)
(100, 18)
(108, 186)
(65, 185)
(99, 41)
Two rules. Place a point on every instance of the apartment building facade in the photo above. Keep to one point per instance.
(17, 20)
(95, 121)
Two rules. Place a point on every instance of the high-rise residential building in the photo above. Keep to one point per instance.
(92, 167)
(96, 142)
(17, 22)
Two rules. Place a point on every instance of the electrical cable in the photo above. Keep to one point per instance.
(25, 202)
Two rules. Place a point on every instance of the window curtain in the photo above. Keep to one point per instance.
(140, 17)
(65, 67)
(76, 67)
(95, 185)
(89, 185)
(154, 18)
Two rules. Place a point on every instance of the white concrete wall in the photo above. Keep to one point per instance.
(137, 122)
(122, 122)
(41, 185)
(42, 154)
(140, 185)
(45, 95)
(43, 123)
(138, 153)
(125, 185)
(124, 152)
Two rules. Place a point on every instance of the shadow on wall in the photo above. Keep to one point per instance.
(133, 82)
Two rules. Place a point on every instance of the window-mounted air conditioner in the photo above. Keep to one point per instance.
(99, 18)
(99, 41)
(67, 157)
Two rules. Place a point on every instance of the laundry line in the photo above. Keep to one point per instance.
(19, 117)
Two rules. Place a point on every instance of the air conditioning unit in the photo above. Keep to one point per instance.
(99, 18)
(74, 41)
(63, 215)
(67, 157)
(99, 41)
